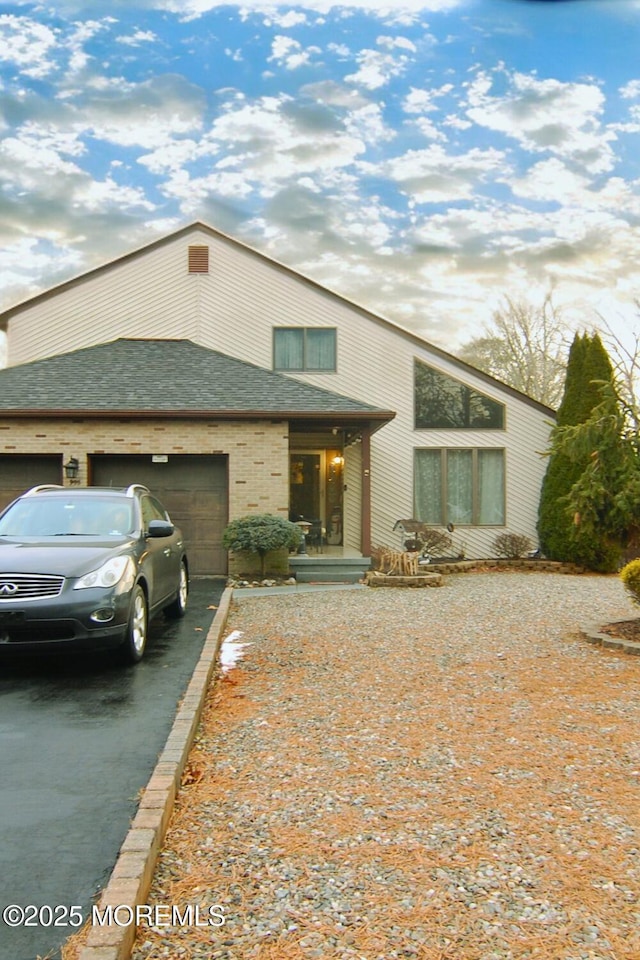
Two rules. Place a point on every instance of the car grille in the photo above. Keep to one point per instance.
(38, 632)
(27, 586)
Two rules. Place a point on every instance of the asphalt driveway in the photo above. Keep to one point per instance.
(78, 741)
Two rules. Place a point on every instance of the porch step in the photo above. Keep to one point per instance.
(319, 569)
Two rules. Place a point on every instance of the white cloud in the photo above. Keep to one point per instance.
(263, 144)
(171, 157)
(367, 123)
(290, 54)
(137, 38)
(285, 21)
(153, 129)
(419, 100)
(397, 43)
(147, 114)
(366, 224)
(435, 176)
(551, 180)
(191, 9)
(262, 148)
(24, 260)
(631, 90)
(193, 191)
(546, 116)
(75, 42)
(29, 45)
(376, 69)
(37, 153)
(97, 195)
(455, 122)
(335, 94)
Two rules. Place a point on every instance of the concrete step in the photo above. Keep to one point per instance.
(313, 568)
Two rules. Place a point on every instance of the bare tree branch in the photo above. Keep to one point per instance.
(626, 363)
(525, 346)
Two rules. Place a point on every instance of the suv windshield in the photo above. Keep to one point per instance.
(42, 516)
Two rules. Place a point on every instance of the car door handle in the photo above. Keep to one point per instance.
(167, 552)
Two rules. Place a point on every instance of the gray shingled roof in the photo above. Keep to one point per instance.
(176, 376)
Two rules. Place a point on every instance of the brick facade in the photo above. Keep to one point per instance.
(258, 451)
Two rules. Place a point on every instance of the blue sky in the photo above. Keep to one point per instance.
(424, 158)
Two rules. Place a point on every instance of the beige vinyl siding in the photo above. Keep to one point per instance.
(149, 297)
(249, 297)
(380, 371)
(234, 309)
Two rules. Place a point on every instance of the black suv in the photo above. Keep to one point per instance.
(88, 567)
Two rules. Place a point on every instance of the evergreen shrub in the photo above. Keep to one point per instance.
(560, 537)
(261, 534)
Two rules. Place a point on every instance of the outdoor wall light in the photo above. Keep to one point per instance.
(72, 468)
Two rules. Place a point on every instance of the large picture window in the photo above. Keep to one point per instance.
(460, 486)
(304, 348)
(441, 402)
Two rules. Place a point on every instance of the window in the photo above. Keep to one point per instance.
(445, 403)
(152, 510)
(460, 486)
(304, 348)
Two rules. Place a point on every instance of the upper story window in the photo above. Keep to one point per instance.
(304, 348)
(441, 402)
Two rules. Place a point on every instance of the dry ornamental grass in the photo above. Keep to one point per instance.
(448, 774)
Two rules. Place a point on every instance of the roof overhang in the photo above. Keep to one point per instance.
(375, 419)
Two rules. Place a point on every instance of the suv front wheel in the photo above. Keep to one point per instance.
(135, 641)
(178, 607)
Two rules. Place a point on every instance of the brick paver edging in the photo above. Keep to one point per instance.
(132, 874)
(592, 635)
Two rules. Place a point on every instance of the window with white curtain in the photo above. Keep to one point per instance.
(460, 486)
(304, 348)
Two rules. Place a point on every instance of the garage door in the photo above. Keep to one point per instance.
(18, 472)
(193, 488)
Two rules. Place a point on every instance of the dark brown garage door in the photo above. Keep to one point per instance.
(193, 488)
(18, 472)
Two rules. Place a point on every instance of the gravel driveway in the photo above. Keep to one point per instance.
(442, 774)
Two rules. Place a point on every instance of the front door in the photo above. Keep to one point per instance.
(306, 485)
(316, 484)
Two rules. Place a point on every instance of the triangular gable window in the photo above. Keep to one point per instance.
(441, 402)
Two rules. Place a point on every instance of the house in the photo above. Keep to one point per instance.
(232, 384)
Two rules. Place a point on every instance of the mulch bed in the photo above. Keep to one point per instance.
(624, 629)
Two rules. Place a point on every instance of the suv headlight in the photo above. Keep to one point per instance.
(116, 571)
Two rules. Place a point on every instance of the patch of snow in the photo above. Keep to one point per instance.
(232, 650)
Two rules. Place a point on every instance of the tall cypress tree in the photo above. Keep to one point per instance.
(588, 363)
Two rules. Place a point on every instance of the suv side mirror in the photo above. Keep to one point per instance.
(160, 528)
